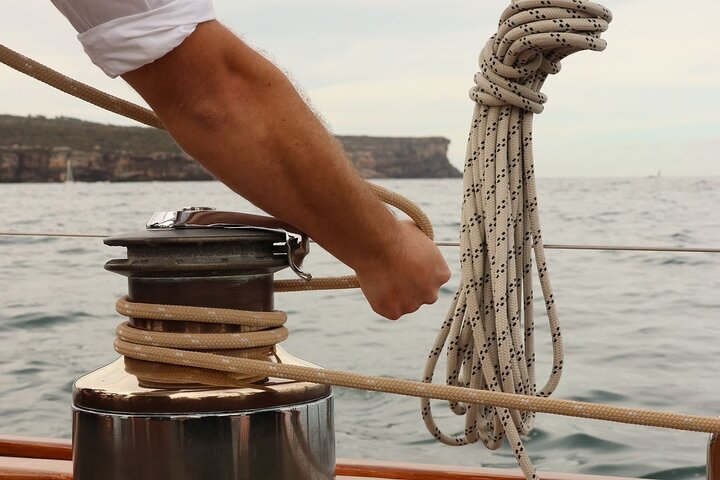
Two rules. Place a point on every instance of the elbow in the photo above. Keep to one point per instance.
(228, 116)
(232, 100)
(207, 113)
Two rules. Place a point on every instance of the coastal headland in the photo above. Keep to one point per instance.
(40, 149)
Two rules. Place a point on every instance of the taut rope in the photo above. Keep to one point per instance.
(146, 116)
(77, 89)
(236, 370)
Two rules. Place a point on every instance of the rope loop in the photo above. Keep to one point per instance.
(489, 333)
(193, 314)
(533, 36)
(255, 337)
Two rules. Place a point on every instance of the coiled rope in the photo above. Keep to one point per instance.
(491, 321)
(489, 331)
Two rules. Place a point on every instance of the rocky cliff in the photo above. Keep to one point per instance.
(44, 164)
(37, 149)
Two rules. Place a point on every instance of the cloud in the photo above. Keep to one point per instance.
(656, 43)
(403, 67)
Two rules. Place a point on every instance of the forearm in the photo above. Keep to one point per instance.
(242, 119)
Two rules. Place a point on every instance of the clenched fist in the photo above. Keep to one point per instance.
(405, 277)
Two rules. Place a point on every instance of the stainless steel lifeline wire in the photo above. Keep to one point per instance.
(547, 246)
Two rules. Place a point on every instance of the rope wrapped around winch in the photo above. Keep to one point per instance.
(237, 369)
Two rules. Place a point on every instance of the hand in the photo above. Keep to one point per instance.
(409, 275)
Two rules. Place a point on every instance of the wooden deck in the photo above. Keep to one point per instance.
(50, 459)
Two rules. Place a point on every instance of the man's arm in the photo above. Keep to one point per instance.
(240, 117)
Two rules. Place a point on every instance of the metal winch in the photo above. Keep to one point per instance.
(127, 429)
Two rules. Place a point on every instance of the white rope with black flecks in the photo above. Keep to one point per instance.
(489, 332)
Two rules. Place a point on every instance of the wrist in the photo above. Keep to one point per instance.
(380, 251)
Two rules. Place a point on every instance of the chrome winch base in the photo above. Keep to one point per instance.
(130, 428)
(278, 442)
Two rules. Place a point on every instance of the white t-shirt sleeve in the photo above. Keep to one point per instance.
(120, 36)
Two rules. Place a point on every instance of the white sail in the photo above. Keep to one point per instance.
(69, 177)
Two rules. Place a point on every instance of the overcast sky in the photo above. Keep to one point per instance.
(649, 103)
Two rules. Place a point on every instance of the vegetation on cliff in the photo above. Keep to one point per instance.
(81, 135)
(40, 149)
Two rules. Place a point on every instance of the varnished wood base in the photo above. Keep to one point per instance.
(50, 459)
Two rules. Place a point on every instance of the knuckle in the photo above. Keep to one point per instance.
(446, 276)
(388, 311)
(414, 307)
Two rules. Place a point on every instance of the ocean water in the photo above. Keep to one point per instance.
(640, 329)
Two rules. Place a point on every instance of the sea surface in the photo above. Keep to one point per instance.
(640, 329)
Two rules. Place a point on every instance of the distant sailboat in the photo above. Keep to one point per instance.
(69, 177)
